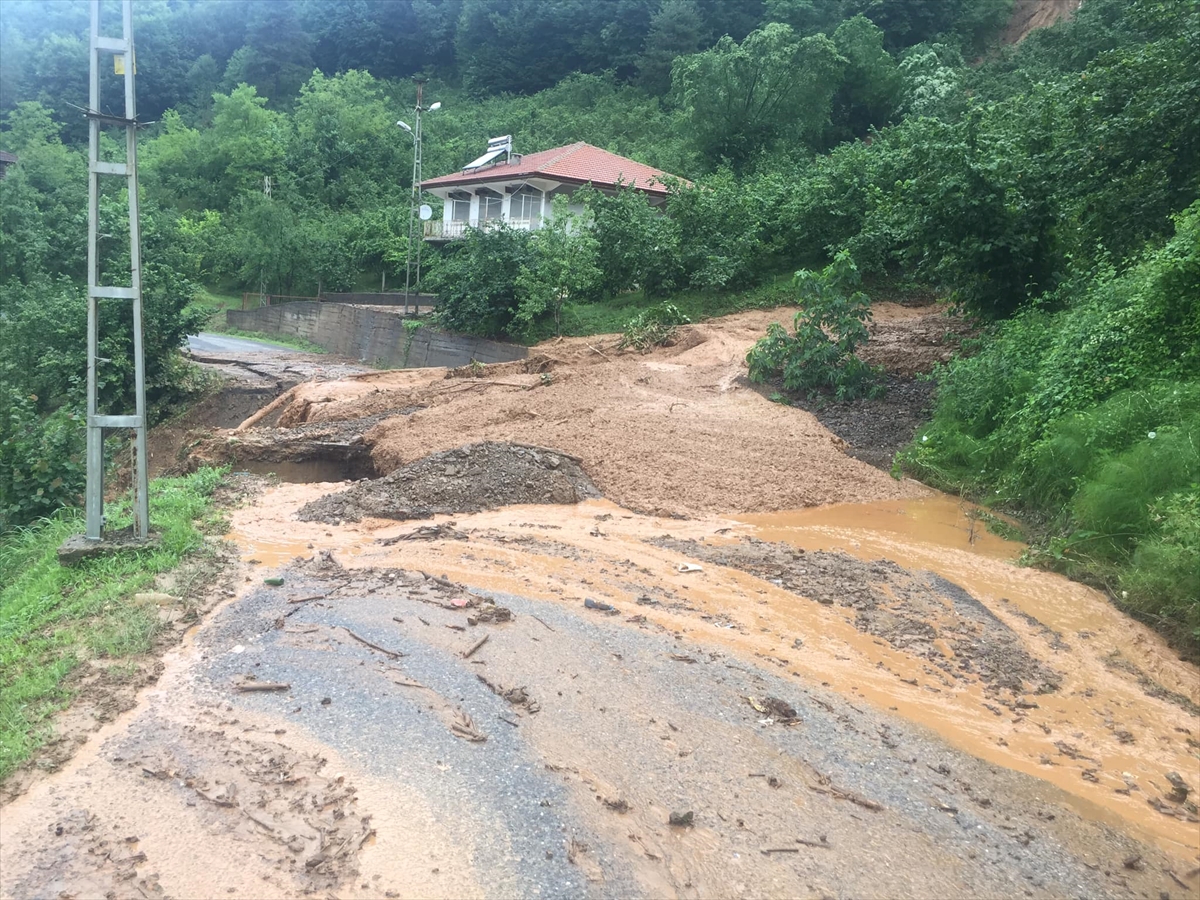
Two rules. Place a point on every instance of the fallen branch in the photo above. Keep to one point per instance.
(594, 350)
(1179, 881)
(542, 622)
(839, 794)
(248, 686)
(392, 653)
(306, 599)
(479, 643)
(822, 844)
(767, 851)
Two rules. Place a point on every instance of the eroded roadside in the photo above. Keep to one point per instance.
(549, 760)
(477, 678)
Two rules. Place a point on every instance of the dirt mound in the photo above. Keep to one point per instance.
(469, 479)
(918, 612)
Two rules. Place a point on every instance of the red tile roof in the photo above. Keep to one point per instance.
(577, 163)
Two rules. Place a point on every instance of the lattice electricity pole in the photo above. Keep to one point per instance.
(122, 51)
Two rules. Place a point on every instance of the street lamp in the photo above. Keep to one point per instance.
(415, 200)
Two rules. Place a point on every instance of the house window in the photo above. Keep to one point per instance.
(489, 206)
(526, 204)
(460, 210)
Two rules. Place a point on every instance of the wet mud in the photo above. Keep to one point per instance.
(867, 699)
(918, 612)
(468, 479)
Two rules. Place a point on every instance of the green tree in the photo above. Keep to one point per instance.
(677, 29)
(870, 88)
(742, 99)
(819, 356)
(562, 266)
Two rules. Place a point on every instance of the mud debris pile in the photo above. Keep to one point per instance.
(918, 612)
(469, 479)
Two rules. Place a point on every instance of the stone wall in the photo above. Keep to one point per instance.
(376, 336)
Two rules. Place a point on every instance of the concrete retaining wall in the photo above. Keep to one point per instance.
(395, 298)
(376, 336)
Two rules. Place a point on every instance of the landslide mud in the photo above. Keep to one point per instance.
(672, 432)
(468, 479)
(918, 612)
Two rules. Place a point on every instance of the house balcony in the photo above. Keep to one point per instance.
(439, 230)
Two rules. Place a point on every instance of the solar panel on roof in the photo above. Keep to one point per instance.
(484, 160)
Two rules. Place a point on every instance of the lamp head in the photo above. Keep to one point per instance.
(404, 125)
(437, 105)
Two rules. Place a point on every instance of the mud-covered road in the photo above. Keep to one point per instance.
(477, 678)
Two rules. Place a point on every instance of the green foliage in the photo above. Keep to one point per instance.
(562, 267)
(476, 282)
(652, 327)
(743, 99)
(1163, 576)
(819, 356)
(41, 460)
(53, 618)
(1088, 417)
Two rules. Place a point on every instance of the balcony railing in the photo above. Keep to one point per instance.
(441, 230)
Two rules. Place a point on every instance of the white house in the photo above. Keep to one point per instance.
(502, 186)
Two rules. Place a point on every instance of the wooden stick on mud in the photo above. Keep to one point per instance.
(392, 653)
(306, 599)
(542, 622)
(247, 686)
(479, 643)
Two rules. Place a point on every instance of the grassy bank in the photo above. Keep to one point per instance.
(53, 619)
(1083, 416)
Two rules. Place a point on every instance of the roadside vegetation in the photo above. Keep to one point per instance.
(53, 620)
(1047, 188)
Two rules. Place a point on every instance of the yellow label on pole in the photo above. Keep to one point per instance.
(119, 64)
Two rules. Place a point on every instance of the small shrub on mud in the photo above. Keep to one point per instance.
(819, 357)
(652, 327)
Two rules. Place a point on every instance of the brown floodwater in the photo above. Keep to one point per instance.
(1120, 740)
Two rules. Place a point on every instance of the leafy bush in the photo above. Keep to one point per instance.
(831, 326)
(653, 327)
(41, 461)
(476, 282)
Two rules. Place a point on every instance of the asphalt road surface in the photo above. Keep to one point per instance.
(207, 342)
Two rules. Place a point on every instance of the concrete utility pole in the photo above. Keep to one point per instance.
(415, 199)
(121, 49)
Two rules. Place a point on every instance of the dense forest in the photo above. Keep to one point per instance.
(1049, 188)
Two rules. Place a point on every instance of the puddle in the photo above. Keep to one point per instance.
(310, 471)
(1099, 724)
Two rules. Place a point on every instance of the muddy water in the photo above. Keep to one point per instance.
(1100, 737)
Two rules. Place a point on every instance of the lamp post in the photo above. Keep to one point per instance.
(415, 200)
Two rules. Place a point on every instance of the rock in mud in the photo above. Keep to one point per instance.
(469, 479)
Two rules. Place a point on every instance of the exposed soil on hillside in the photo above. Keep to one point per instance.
(1030, 15)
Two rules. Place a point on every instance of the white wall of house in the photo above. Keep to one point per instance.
(509, 209)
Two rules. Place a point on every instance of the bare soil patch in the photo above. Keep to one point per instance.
(468, 479)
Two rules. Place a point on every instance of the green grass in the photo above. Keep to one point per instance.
(287, 340)
(216, 302)
(53, 619)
